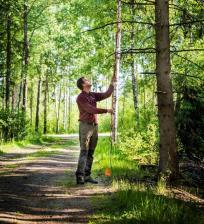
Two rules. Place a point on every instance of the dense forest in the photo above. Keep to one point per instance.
(156, 50)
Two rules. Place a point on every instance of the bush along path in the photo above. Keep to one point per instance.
(37, 184)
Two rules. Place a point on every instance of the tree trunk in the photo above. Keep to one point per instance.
(144, 98)
(58, 112)
(69, 105)
(38, 106)
(3, 95)
(8, 59)
(31, 104)
(57, 107)
(114, 117)
(65, 106)
(133, 66)
(8, 68)
(14, 93)
(45, 105)
(167, 152)
(25, 90)
(123, 107)
(25, 69)
(20, 94)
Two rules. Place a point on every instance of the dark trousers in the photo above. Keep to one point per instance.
(88, 138)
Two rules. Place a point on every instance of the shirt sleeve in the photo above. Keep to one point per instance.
(84, 103)
(102, 96)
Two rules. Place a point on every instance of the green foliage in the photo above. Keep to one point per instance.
(190, 121)
(12, 125)
(42, 153)
(141, 145)
(132, 200)
(113, 158)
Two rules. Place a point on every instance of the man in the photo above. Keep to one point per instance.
(88, 126)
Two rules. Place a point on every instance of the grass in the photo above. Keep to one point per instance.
(49, 141)
(8, 168)
(11, 166)
(51, 148)
(133, 200)
(5, 172)
(120, 164)
(140, 204)
(42, 153)
(65, 143)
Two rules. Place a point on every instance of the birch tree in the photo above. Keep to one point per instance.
(133, 65)
(114, 118)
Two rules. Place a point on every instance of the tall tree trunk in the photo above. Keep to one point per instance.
(107, 82)
(58, 112)
(31, 104)
(65, 105)
(8, 68)
(144, 97)
(26, 53)
(69, 104)
(45, 105)
(123, 107)
(167, 153)
(14, 93)
(8, 59)
(3, 93)
(67, 99)
(38, 106)
(133, 65)
(114, 117)
(20, 94)
(57, 107)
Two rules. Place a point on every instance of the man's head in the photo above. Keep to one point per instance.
(84, 84)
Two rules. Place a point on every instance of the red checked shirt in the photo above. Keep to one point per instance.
(88, 107)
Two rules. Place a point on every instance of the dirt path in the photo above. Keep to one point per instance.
(32, 190)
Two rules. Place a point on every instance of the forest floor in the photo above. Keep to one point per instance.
(37, 185)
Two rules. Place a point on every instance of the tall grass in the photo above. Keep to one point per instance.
(140, 204)
(135, 201)
(115, 159)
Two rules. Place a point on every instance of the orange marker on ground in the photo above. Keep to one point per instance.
(108, 172)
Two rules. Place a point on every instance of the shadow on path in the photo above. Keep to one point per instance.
(31, 192)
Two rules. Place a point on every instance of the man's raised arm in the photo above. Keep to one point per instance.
(109, 91)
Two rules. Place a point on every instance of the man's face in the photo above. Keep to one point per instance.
(86, 83)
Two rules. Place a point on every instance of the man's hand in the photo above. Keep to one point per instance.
(110, 111)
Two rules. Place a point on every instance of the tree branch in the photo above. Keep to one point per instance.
(192, 76)
(113, 23)
(139, 3)
(173, 73)
(185, 50)
(202, 68)
(190, 22)
(154, 50)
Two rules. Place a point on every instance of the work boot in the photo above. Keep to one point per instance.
(90, 180)
(79, 179)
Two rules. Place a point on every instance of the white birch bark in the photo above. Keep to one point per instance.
(114, 118)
